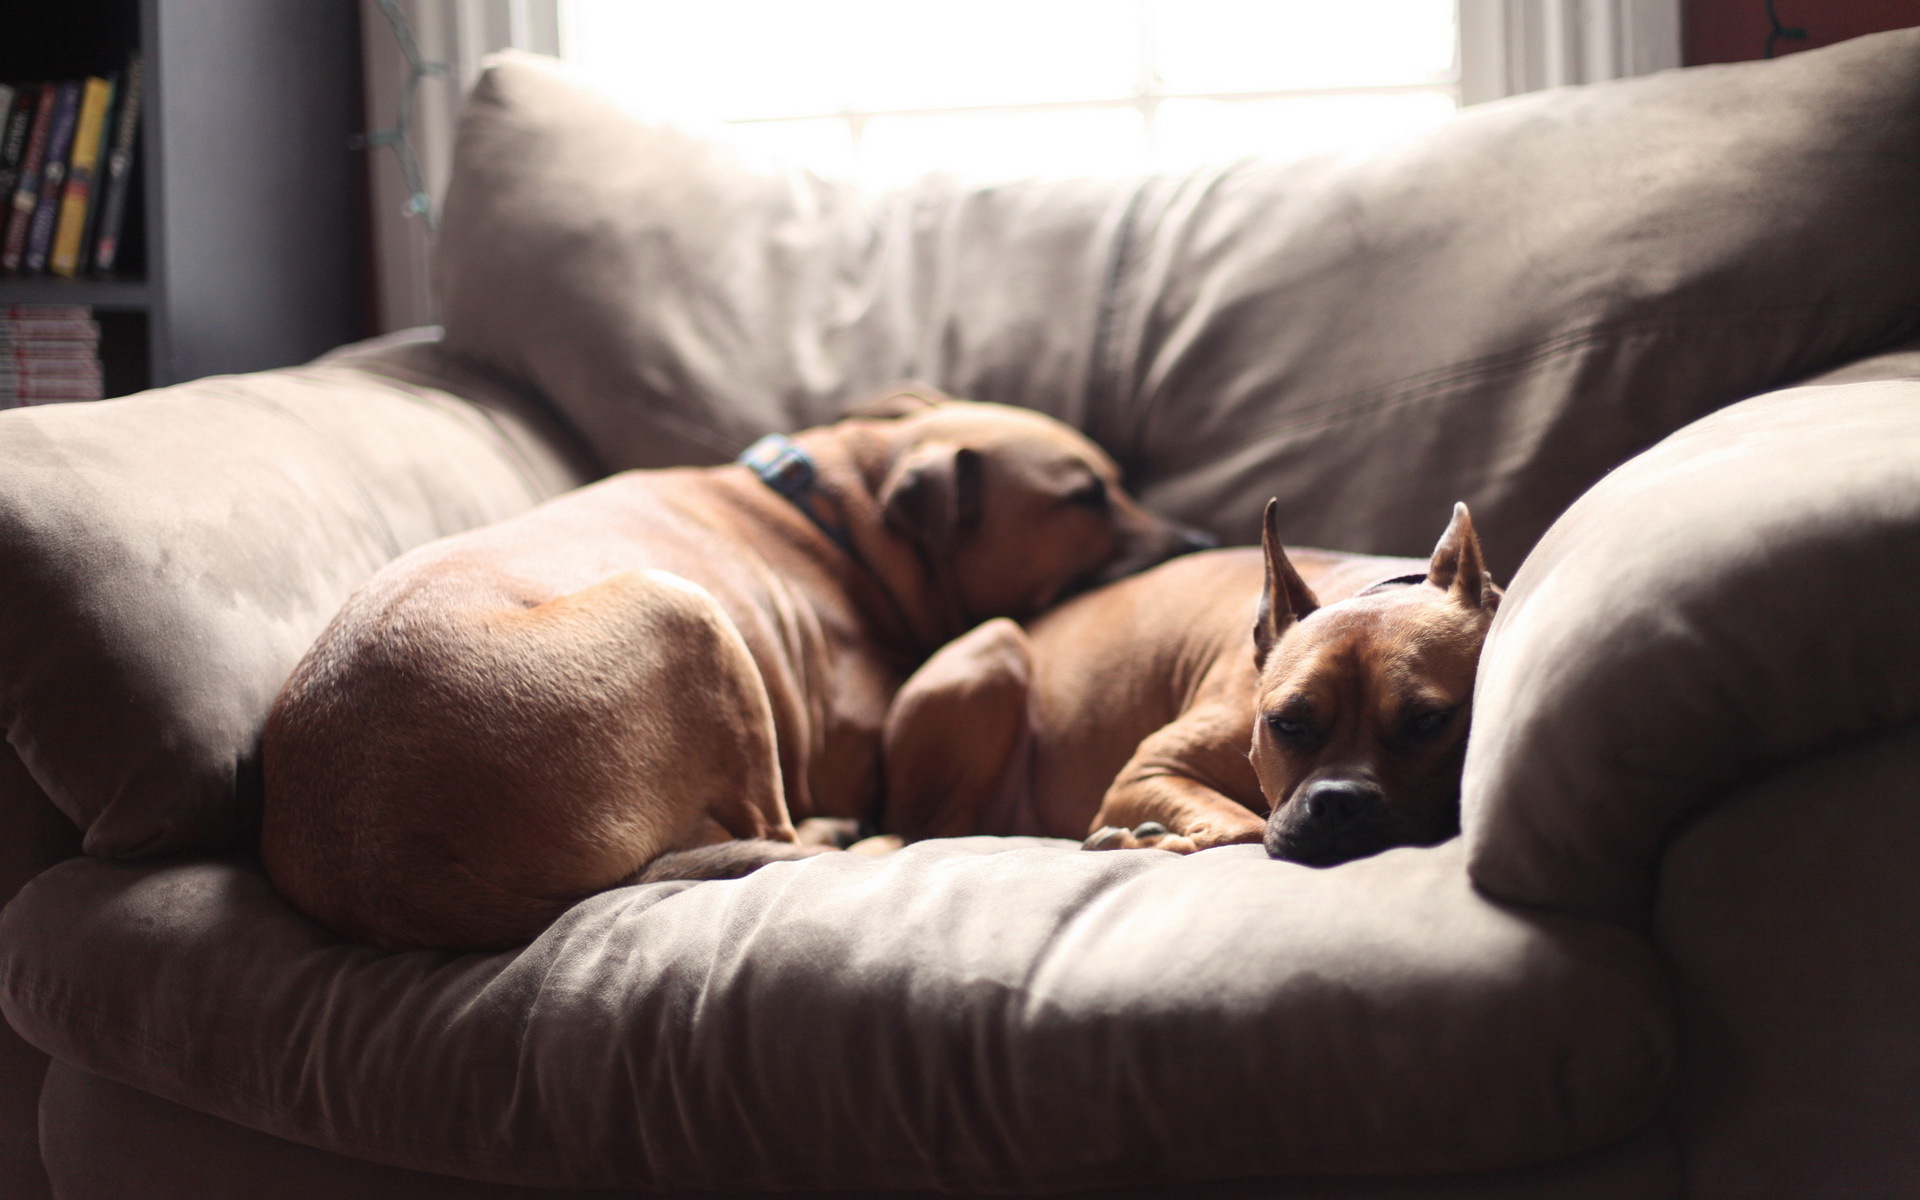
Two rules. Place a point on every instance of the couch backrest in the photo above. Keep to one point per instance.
(1499, 312)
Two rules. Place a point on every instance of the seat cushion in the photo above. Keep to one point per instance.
(107, 1141)
(166, 559)
(1497, 312)
(1737, 598)
(979, 1013)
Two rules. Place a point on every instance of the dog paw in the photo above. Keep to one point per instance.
(836, 832)
(1148, 835)
(1108, 837)
(877, 846)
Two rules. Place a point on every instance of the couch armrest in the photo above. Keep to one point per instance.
(166, 559)
(1736, 598)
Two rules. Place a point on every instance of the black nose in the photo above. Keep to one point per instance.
(1330, 821)
(1332, 803)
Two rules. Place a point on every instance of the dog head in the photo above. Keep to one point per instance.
(1010, 509)
(1363, 706)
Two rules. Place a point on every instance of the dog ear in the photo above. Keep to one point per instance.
(932, 495)
(1458, 566)
(896, 401)
(1284, 596)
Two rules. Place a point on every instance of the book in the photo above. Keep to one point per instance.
(26, 366)
(82, 329)
(26, 193)
(118, 172)
(53, 177)
(45, 349)
(45, 312)
(52, 391)
(18, 114)
(10, 102)
(70, 231)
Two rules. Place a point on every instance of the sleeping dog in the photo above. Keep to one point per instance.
(1312, 701)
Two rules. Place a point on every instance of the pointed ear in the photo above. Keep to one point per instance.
(1284, 596)
(932, 495)
(895, 401)
(1457, 565)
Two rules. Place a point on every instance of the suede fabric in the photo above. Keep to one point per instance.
(33, 836)
(162, 1151)
(1736, 598)
(1498, 312)
(168, 558)
(1789, 912)
(972, 1014)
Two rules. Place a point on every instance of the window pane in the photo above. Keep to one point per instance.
(1269, 45)
(1099, 141)
(1191, 132)
(733, 59)
(824, 146)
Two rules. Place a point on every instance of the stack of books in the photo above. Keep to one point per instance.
(66, 161)
(49, 353)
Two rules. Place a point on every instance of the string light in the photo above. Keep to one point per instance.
(1780, 31)
(397, 137)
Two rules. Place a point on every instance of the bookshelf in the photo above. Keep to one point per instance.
(245, 244)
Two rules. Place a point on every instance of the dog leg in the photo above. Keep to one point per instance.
(1177, 793)
(957, 741)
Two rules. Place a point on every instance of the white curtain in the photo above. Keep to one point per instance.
(457, 34)
(1513, 46)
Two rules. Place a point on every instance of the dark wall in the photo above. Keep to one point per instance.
(1735, 30)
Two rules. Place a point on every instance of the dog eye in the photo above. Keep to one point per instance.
(1091, 494)
(1291, 728)
(1428, 724)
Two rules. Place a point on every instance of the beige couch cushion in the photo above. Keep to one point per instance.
(166, 559)
(1498, 312)
(967, 1014)
(1789, 913)
(1738, 597)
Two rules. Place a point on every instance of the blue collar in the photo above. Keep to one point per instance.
(789, 470)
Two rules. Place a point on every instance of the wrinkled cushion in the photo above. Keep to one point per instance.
(1739, 596)
(949, 1017)
(166, 559)
(1497, 312)
(1789, 913)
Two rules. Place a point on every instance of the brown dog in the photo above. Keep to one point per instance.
(504, 721)
(1129, 711)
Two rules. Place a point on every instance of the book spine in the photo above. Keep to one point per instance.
(66, 115)
(26, 193)
(69, 235)
(13, 147)
(11, 99)
(45, 312)
(119, 171)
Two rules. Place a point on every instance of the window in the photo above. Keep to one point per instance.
(886, 90)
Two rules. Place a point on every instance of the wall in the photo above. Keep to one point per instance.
(1733, 30)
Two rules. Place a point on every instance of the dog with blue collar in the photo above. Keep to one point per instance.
(659, 675)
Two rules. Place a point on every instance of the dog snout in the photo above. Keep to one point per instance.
(1331, 803)
(1328, 821)
(1151, 543)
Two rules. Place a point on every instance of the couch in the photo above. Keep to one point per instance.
(1663, 335)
